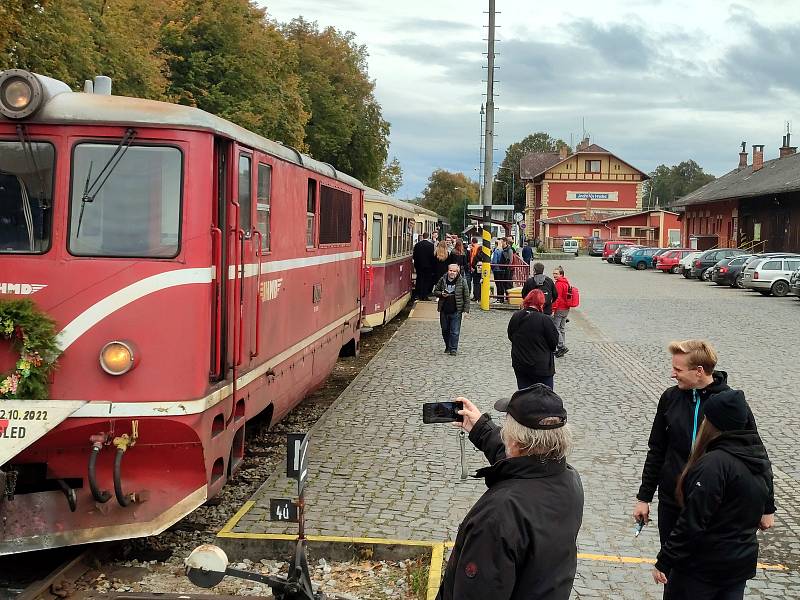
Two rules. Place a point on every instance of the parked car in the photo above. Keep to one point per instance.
(570, 247)
(771, 275)
(755, 257)
(670, 261)
(596, 248)
(704, 262)
(728, 271)
(794, 284)
(658, 254)
(622, 251)
(641, 258)
(611, 246)
(686, 264)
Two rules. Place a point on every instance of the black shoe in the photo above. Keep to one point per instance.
(562, 351)
(453, 352)
(447, 350)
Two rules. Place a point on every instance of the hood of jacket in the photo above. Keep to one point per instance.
(747, 447)
(520, 467)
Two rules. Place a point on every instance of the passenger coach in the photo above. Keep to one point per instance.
(198, 273)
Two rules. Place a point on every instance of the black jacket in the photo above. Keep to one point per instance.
(534, 338)
(423, 255)
(671, 440)
(462, 260)
(518, 540)
(548, 287)
(714, 539)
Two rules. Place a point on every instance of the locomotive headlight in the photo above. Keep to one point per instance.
(20, 93)
(117, 358)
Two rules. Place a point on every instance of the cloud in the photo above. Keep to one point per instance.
(619, 44)
(436, 26)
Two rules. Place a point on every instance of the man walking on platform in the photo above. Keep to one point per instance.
(423, 265)
(527, 252)
(561, 309)
(540, 281)
(453, 295)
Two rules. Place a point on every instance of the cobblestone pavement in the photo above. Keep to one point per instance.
(377, 471)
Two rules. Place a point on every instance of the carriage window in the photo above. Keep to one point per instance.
(377, 236)
(245, 194)
(136, 212)
(335, 216)
(390, 237)
(263, 203)
(311, 212)
(26, 196)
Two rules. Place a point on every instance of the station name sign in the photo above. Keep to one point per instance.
(607, 196)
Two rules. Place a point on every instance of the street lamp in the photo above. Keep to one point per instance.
(505, 183)
(512, 181)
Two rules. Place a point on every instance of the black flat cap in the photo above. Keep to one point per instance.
(530, 406)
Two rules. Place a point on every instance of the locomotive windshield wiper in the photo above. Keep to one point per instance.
(90, 191)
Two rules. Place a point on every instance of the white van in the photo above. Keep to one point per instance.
(570, 247)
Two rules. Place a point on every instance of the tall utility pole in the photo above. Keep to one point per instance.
(488, 164)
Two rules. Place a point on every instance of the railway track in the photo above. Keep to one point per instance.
(47, 575)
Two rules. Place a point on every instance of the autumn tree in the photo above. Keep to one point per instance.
(225, 57)
(391, 178)
(346, 126)
(667, 184)
(535, 142)
(448, 194)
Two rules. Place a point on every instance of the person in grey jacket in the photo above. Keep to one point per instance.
(518, 542)
(453, 294)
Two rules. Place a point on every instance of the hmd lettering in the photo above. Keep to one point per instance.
(20, 289)
(270, 289)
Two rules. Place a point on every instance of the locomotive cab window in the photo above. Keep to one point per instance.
(136, 211)
(311, 212)
(263, 204)
(26, 196)
(245, 195)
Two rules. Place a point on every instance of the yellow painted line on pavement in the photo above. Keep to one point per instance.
(237, 517)
(435, 570)
(651, 561)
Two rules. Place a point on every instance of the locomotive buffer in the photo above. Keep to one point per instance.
(207, 565)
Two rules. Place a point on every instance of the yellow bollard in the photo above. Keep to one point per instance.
(486, 274)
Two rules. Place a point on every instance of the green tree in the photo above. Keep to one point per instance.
(667, 184)
(391, 178)
(448, 194)
(346, 127)
(535, 142)
(225, 57)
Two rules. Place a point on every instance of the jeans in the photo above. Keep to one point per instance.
(560, 320)
(682, 586)
(451, 328)
(524, 380)
(476, 286)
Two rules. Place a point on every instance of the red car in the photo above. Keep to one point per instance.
(611, 247)
(668, 262)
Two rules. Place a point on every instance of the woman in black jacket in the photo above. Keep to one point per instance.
(534, 338)
(712, 550)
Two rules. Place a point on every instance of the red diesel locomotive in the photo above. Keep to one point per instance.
(199, 274)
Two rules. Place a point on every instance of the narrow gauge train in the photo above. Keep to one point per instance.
(199, 274)
(388, 267)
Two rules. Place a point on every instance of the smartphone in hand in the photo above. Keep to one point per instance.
(442, 412)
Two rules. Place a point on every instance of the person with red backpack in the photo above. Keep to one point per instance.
(566, 299)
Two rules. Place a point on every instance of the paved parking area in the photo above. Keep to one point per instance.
(376, 471)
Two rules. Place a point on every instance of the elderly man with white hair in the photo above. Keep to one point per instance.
(519, 539)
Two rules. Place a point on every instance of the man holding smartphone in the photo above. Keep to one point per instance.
(519, 539)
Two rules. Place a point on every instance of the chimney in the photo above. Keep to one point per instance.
(758, 157)
(582, 145)
(786, 149)
(562, 152)
(743, 157)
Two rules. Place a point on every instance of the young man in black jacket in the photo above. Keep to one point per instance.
(518, 542)
(540, 281)
(713, 549)
(679, 413)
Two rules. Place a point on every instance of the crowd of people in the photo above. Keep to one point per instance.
(705, 460)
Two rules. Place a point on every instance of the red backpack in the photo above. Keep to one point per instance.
(573, 297)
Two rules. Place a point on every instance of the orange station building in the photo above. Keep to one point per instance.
(571, 195)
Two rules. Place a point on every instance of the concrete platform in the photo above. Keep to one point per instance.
(381, 481)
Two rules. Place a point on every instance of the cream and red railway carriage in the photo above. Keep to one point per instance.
(198, 273)
(390, 225)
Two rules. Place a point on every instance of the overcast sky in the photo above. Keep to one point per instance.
(655, 81)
